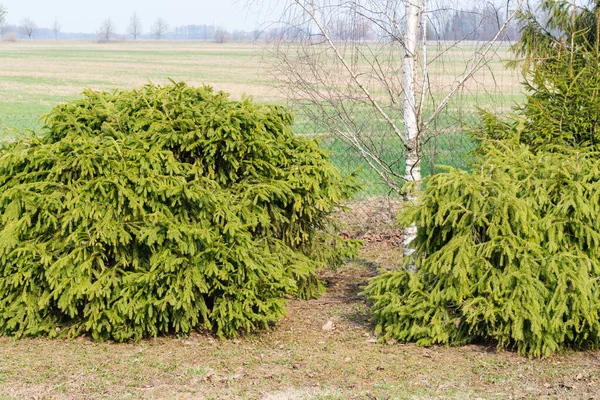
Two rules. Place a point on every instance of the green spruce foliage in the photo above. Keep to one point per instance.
(510, 251)
(163, 210)
(561, 70)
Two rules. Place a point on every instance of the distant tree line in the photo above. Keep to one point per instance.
(472, 24)
(194, 32)
(444, 24)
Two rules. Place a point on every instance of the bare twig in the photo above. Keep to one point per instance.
(477, 62)
(353, 74)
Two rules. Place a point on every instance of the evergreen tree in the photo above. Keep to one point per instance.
(560, 56)
(510, 251)
(163, 210)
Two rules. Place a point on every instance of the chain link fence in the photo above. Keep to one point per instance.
(375, 205)
(13, 125)
(374, 209)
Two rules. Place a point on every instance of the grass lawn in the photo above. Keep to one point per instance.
(36, 75)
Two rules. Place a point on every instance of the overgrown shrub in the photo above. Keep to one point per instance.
(510, 251)
(163, 210)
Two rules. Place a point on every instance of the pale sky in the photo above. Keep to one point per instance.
(86, 16)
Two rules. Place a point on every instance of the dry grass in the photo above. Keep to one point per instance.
(44, 73)
(296, 360)
(36, 75)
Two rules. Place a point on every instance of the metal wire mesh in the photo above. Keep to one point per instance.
(448, 143)
(375, 204)
(355, 133)
(13, 125)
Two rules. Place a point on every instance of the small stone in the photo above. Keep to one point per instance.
(329, 326)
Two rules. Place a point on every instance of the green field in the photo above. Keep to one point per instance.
(37, 75)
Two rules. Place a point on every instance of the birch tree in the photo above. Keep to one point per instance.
(386, 74)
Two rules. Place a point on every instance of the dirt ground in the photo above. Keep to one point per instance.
(324, 349)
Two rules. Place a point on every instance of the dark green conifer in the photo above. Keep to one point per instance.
(162, 210)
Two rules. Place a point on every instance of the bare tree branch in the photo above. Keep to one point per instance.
(28, 27)
(135, 26)
(159, 28)
(476, 63)
(107, 30)
(56, 28)
(3, 13)
(342, 62)
(352, 73)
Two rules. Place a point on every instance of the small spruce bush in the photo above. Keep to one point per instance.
(163, 210)
(510, 250)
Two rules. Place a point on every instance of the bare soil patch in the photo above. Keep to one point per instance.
(373, 221)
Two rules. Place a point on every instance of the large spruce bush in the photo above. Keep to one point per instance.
(162, 210)
(510, 250)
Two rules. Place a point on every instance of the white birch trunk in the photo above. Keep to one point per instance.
(411, 128)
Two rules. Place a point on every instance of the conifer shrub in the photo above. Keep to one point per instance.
(510, 250)
(163, 210)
